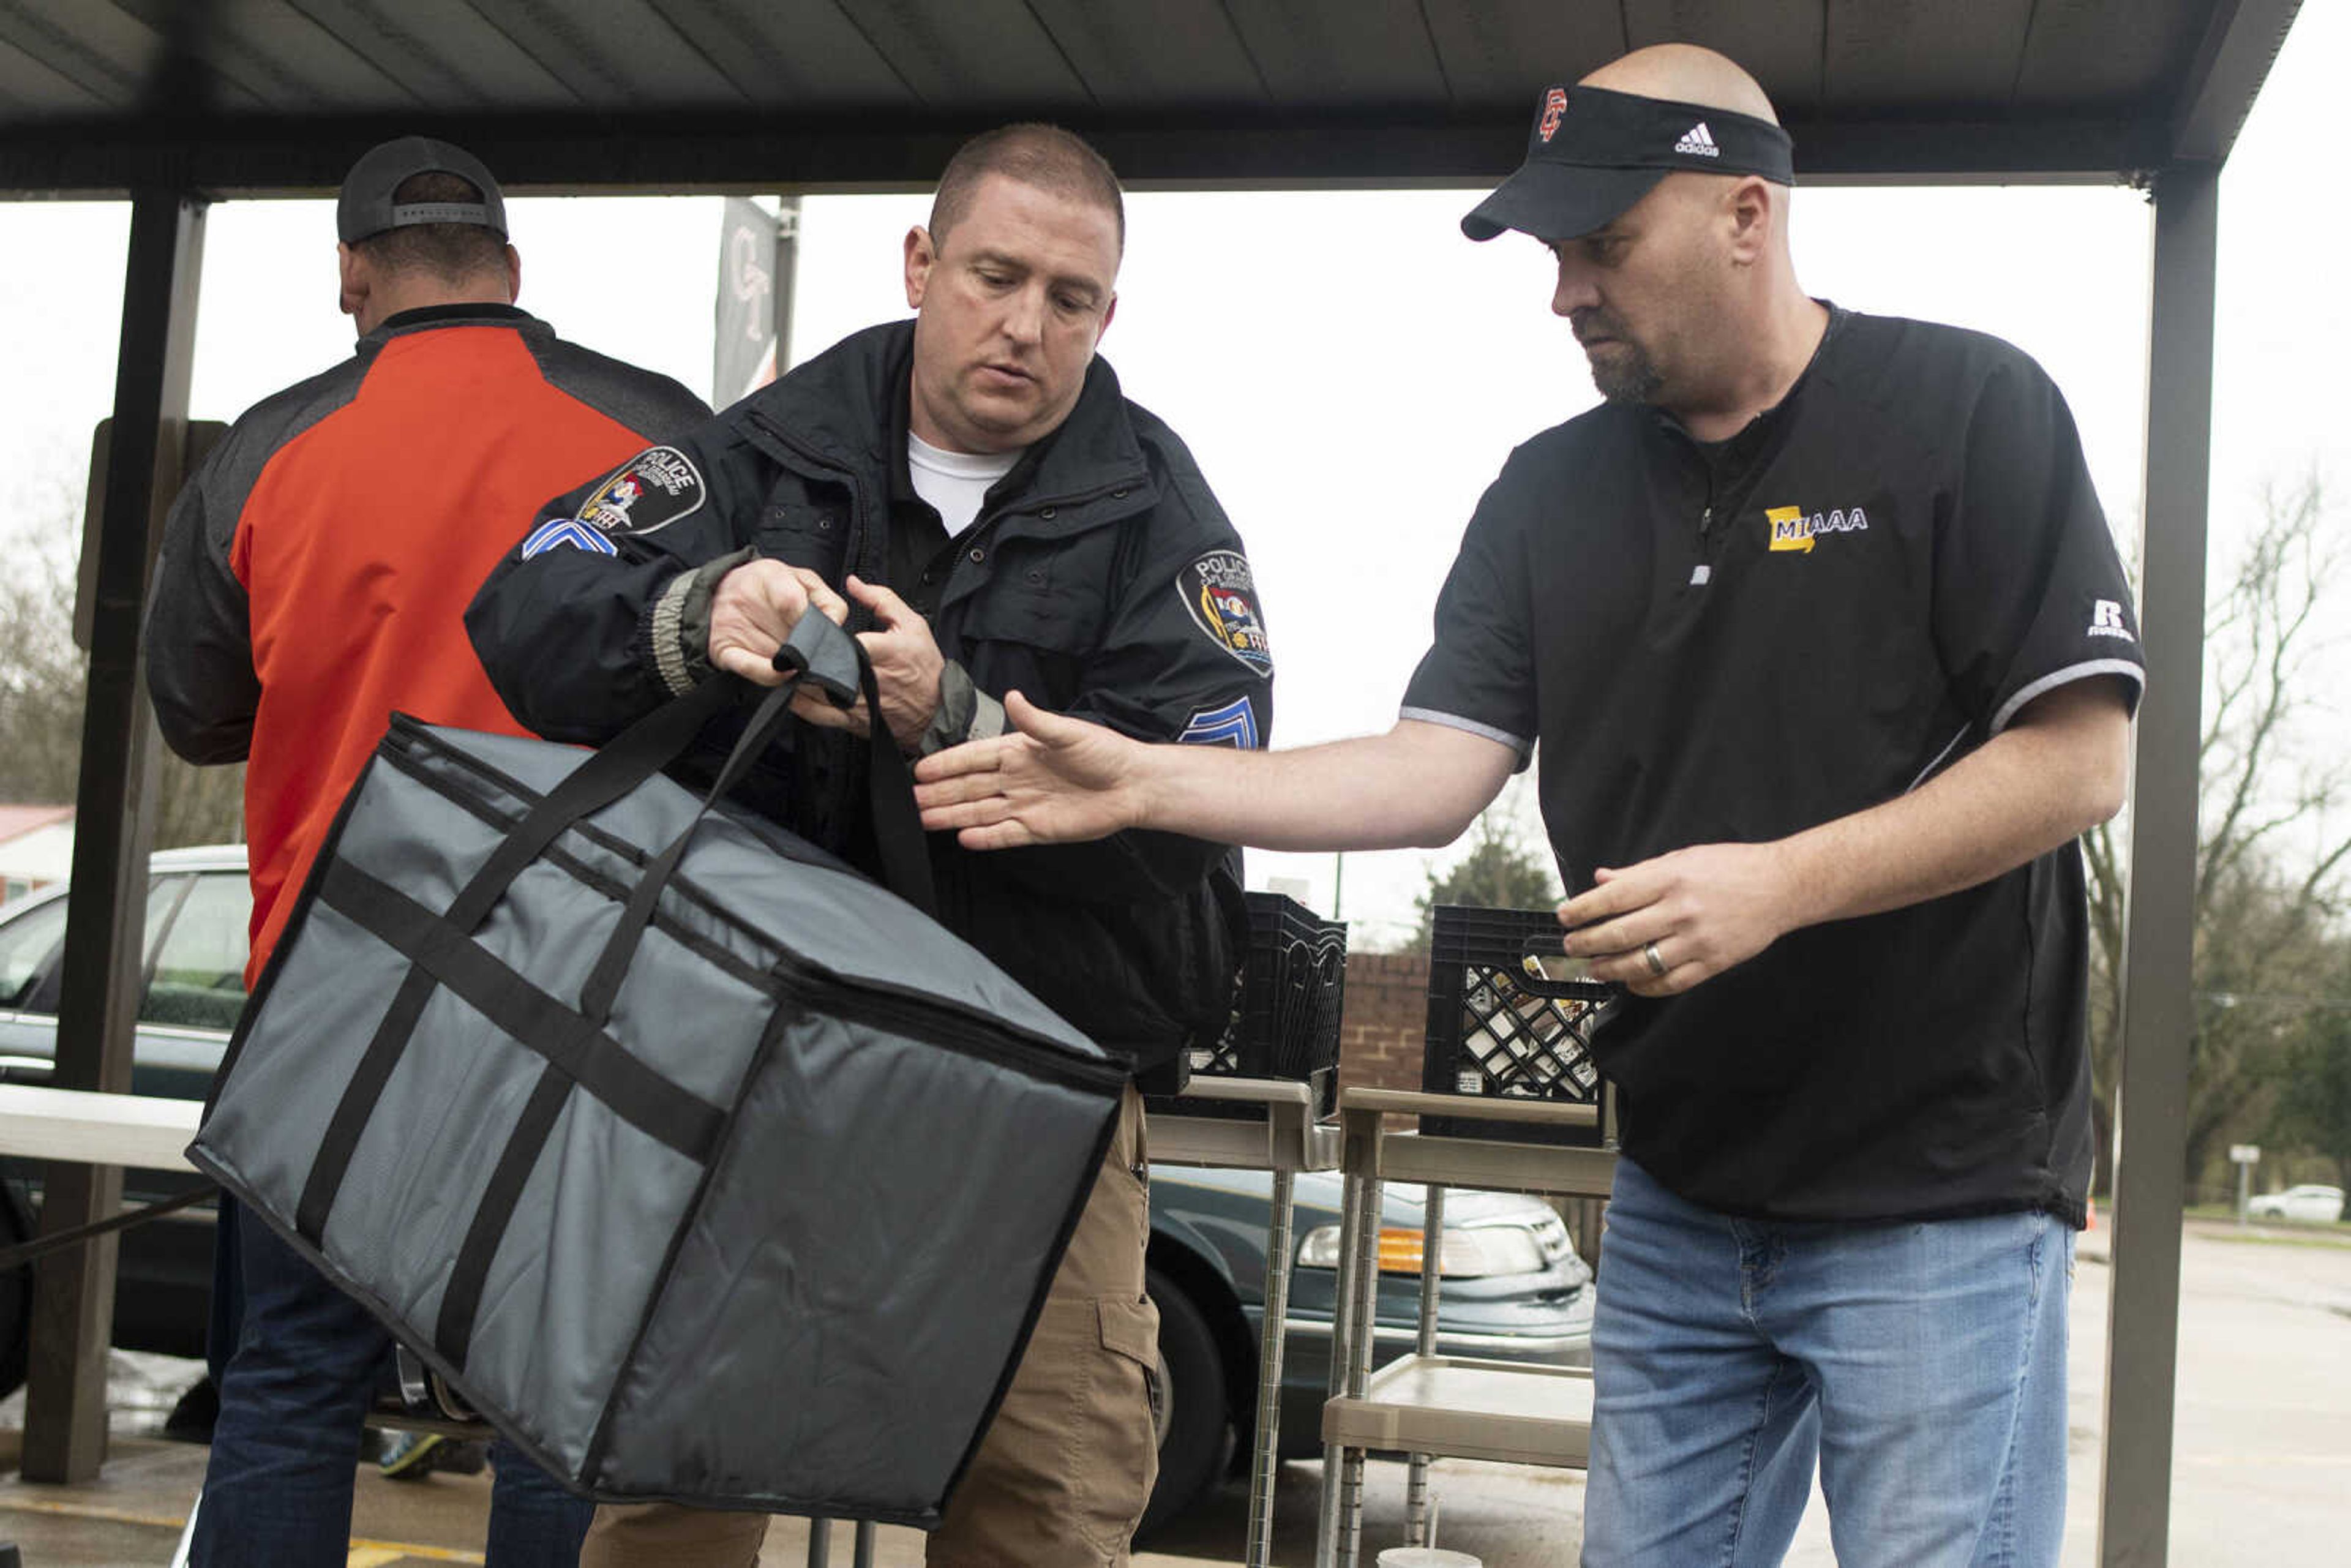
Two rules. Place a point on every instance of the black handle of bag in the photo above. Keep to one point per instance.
(835, 663)
(622, 764)
(822, 654)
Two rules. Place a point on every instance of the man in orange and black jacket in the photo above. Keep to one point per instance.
(314, 578)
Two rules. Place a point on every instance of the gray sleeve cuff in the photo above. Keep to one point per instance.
(1518, 743)
(663, 639)
(2128, 669)
(677, 624)
(988, 720)
(965, 713)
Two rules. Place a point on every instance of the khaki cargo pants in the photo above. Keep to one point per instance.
(1062, 1477)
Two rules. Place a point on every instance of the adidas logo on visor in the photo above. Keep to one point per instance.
(1698, 142)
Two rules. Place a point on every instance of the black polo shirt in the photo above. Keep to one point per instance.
(1736, 642)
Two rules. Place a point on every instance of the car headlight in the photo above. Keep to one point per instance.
(1472, 1253)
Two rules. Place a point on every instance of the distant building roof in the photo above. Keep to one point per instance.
(15, 821)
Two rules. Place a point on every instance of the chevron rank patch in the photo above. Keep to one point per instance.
(1221, 596)
(1235, 724)
(645, 494)
(569, 531)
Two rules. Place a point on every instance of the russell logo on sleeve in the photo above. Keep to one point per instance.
(2106, 620)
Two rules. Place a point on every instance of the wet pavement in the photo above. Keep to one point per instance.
(2261, 1477)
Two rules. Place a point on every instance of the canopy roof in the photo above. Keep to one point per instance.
(248, 96)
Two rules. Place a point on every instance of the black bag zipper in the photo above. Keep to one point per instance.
(935, 1022)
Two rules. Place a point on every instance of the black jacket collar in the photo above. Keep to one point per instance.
(847, 408)
(424, 318)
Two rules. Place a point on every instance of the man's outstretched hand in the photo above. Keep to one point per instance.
(1050, 781)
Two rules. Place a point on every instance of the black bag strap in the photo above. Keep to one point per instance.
(603, 982)
(836, 664)
(819, 654)
(621, 765)
(898, 838)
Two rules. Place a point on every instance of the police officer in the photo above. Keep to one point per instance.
(973, 494)
(312, 579)
(1825, 638)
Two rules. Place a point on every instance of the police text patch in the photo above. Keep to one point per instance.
(1222, 598)
(645, 494)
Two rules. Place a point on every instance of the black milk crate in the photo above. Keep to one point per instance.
(1285, 1021)
(1504, 1024)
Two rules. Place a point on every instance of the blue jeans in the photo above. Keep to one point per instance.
(1923, 1365)
(278, 1489)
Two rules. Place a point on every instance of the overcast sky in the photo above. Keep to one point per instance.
(1349, 370)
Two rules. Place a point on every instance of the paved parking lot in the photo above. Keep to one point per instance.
(2262, 1477)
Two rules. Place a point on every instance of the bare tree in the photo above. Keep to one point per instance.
(2271, 843)
(42, 683)
(1509, 864)
(2315, 1097)
(42, 676)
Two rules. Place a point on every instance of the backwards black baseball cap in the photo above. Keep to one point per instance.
(365, 207)
(1592, 153)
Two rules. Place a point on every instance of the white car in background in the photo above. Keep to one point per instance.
(2312, 1202)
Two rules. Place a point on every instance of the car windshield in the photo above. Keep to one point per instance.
(27, 944)
(199, 978)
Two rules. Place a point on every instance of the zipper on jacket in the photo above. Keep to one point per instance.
(982, 528)
(1075, 499)
(1701, 557)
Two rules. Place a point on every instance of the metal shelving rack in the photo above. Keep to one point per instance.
(1286, 1141)
(1426, 1405)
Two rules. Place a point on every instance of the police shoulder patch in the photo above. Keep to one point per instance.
(569, 531)
(1235, 724)
(1221, 596)
(646, 494)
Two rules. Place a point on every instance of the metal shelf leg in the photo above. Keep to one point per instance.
(1360, 1349)
(1352, 1263)
(1264, 1471)
(819, 1548)
(1432, 1254)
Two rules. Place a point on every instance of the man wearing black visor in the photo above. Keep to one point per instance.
(1825, 635)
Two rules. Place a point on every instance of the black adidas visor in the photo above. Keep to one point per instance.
(1592, 153)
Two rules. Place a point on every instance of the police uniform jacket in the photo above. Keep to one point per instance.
(315, 571)
(1733, 642)
(1100, 579)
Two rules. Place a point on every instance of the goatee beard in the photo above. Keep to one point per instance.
(1628, 375)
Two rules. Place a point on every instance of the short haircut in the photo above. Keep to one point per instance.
(1044, 156)
(453, 252)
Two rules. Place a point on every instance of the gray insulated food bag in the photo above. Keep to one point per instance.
(703, 1167)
